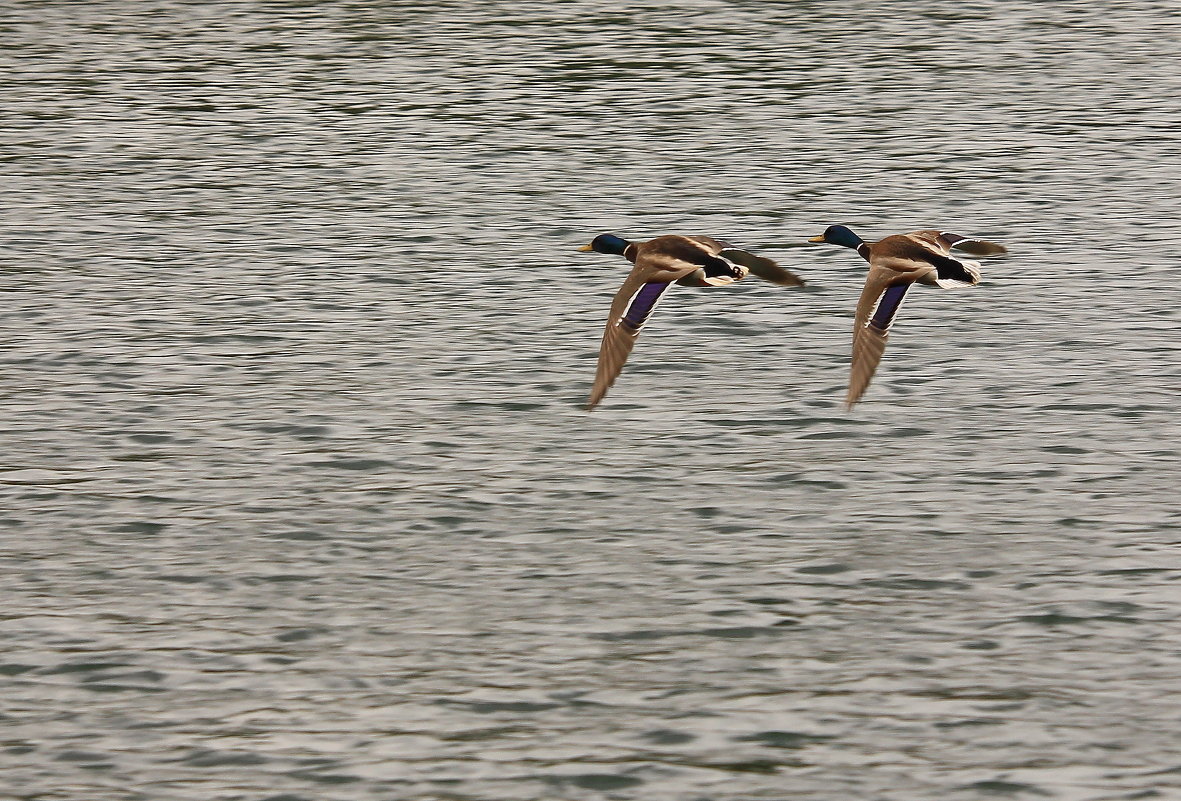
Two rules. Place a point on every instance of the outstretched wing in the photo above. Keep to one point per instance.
(876, 310)
(631, 308)
(977, 247)
(764, 268)
(715, 246)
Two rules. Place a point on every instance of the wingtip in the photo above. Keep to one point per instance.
(789, 280)
(852, 395)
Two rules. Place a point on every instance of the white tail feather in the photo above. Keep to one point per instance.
(973, 269)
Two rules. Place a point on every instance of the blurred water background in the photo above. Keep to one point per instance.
(297, 498)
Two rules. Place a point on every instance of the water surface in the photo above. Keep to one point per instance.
(298, 500)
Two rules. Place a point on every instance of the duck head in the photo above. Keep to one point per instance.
(838, 235)
(606, 243)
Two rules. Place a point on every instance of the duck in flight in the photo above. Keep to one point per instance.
(658, 264)
(895, 264)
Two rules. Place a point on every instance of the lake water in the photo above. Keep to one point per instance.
(298, 499)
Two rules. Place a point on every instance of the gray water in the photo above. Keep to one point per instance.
(298, 500)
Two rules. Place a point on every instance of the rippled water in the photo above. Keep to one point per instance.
(298, 500)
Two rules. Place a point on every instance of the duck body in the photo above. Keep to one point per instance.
(896, 263)
(657, 265)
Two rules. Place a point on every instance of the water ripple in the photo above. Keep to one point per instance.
(299, 501)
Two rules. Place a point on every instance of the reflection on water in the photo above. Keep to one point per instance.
(299, 501)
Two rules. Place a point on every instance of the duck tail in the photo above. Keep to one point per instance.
(722, 271)
(953, 272)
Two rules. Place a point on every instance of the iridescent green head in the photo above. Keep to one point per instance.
(607, 243)
(838, 235)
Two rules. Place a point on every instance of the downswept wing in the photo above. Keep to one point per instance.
(630, 310)
(876, 310)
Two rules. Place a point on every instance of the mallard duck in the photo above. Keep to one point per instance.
(895, 264)
(659, 263)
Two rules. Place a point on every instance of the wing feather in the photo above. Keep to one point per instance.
(715, 245)
(977, 247)
(630, 309)
(869, 341)
(763, 267)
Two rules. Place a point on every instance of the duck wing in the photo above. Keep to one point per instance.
(877, 307)
(763, 267)
(977, 247)
(630, 309)
(715, 246)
